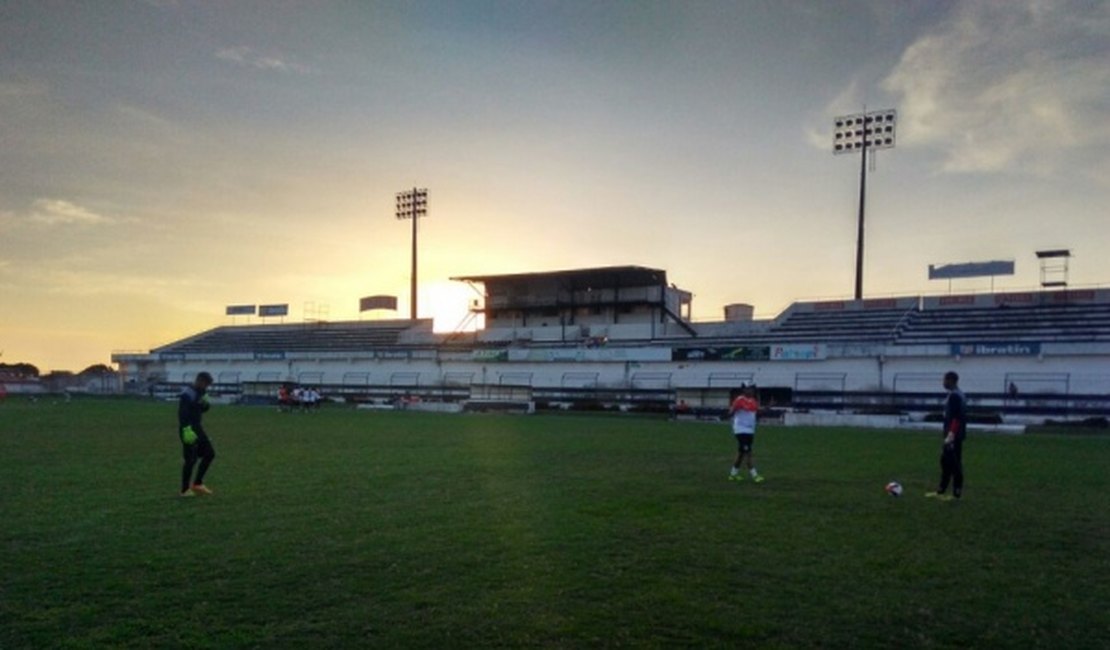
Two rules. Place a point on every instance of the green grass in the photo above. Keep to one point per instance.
(355, 529)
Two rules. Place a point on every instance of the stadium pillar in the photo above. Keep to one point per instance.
(859, 231)
(412, 288)
(413, 205)
(860, 132)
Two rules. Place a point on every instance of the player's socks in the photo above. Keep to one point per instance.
(199, 488)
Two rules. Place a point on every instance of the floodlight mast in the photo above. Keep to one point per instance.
(413, 204)
(860, 132)
(859, 229)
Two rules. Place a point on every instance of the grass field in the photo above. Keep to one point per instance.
(355, 529)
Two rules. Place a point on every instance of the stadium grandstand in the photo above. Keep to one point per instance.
(622, 337)
(317, 337)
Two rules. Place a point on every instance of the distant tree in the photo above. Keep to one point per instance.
(98, 369)
(19, 369)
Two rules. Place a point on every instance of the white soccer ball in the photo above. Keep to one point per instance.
(894, 489)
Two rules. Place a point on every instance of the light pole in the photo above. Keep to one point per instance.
(413, 204)
(860, 132)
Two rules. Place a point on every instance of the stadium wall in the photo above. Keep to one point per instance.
(1061, 368)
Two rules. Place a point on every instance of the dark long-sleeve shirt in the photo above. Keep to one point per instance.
(955, 414)
(190, 407)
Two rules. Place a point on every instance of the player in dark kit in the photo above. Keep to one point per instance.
(194, 441)
(955, 430)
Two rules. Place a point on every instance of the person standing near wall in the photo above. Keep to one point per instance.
(955, 431)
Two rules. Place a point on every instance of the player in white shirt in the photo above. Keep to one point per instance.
(743, 412)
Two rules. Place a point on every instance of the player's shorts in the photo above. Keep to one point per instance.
(745, 441)
(202, 448)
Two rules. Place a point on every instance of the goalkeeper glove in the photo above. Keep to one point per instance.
(188, 436)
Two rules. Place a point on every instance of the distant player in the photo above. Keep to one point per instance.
(194, 441)
(311, 399)
(955, 430)
(285, 400)
(743, 413)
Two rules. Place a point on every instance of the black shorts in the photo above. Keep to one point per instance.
(953, 452)
(202, 448)
(745, 441)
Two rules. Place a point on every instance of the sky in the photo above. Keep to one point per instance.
(162, 159)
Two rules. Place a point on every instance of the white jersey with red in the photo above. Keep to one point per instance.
(743, 410)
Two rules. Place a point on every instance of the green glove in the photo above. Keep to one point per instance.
(188, 436)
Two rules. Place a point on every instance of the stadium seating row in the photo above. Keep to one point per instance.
(1057, 323)
(877, 325)
(335, 337)
(1063, 323)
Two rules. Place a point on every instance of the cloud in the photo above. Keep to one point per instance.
(142, 116)
(848, 101)
(79, 278)
(17, 89)
(1013, 87)
(55, 212)
(247, 57)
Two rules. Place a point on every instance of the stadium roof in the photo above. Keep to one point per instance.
(604, 276)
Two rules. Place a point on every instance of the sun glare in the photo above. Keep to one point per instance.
(449, 304)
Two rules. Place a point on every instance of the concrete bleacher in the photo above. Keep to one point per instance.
(1044, 323)
(307, 337)
(909, 320)
(820, 326)
(1048, 317)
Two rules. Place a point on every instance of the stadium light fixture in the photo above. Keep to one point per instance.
(413, 204)
(858, 133)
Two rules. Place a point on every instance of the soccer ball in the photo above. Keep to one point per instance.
(894, 489)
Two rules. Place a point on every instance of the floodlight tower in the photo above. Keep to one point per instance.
(413, 204)
(860, 132)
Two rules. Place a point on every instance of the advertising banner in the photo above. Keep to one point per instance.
(240, 310)
(589, 354)
(996, 349)
(490, 355)
(730, 353)
(806, 352)
(971, 270)
(273, 310)
(377, 302)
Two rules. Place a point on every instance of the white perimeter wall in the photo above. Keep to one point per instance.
(1075, 374)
